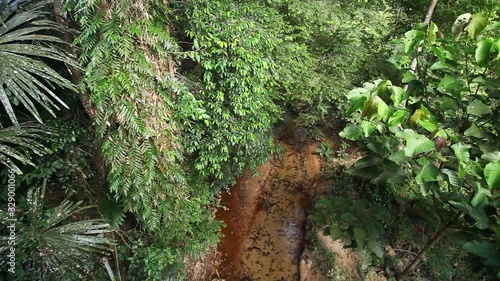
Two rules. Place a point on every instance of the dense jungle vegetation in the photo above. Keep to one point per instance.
(123, 120)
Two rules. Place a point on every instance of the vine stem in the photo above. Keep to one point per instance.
(434, 240)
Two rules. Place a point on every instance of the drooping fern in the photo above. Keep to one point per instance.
(126, 50)
(112, 211)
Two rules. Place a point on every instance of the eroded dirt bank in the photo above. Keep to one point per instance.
(265, 217)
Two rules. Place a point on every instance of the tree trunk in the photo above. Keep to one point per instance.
(427, 20)
(75, 73)
(435, 239)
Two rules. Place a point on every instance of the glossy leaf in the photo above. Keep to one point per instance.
(450, 84)
(452, 177)
(398, 95)
(416, 144)
(428, 173)
(368, 128)
(483, 50)
(478, 108)
(351, 132)
(397, 117)
(412, 39)
(492, 174)
(477, 23)
(461, 152)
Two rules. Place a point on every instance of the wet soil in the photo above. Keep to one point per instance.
(265, 217)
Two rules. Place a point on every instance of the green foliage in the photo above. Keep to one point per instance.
(49, 245)
(325, 150)
(26, 40)
(16, 142)
(441, 132)
(233, 57)
(327, 47)
(112, 211)
(358, 223)
(128, 56)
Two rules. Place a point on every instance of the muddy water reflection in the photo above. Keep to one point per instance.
(265, 218)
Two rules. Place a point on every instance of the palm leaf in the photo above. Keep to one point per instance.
(24, 77)
(53, 243)
(15, 140)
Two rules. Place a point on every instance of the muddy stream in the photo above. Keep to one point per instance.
(265, 217)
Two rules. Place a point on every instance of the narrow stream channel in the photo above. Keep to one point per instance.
(265, 218)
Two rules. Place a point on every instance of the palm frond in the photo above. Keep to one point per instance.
(15, 140)
(55, 245)
(24, 77)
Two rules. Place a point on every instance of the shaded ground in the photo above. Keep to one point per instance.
(265, 217)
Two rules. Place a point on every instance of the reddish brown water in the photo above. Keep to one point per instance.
(265, 218)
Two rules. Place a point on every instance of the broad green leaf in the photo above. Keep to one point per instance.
(449, 103)
(348, 218)
(477, 23)
(478, 108)
(432, 33)
(351, 132)
(492, 174)
(408, 77)
(428, 173)
(485, 249)
(478, 214)
(416, 144)
(416, 117)
(377, 170)
(462, 152)
(430, 123)
(483, 52)
(376, 147)
(335, 232)
(441, 65)
(398, 95)
(495, 49)
(412, 39)
(452, 177)
(397, 117)
(382, 108)
(375, 248)
(481, 197)
(491, 156)
(357, 104)
(399, 158)
(475, 131)
(368, 127)
(358, 93)
(375, 229)
(383, 91)
(369, 109)
(449, 84)
(360, 236)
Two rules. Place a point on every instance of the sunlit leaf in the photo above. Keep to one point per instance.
(351, 132)
(397, 117)
(368, 128)
(477, 23)
(483, 51)
(492, 174)
(478, 108)
(412, 39)
(462, 152)
(416, 144)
